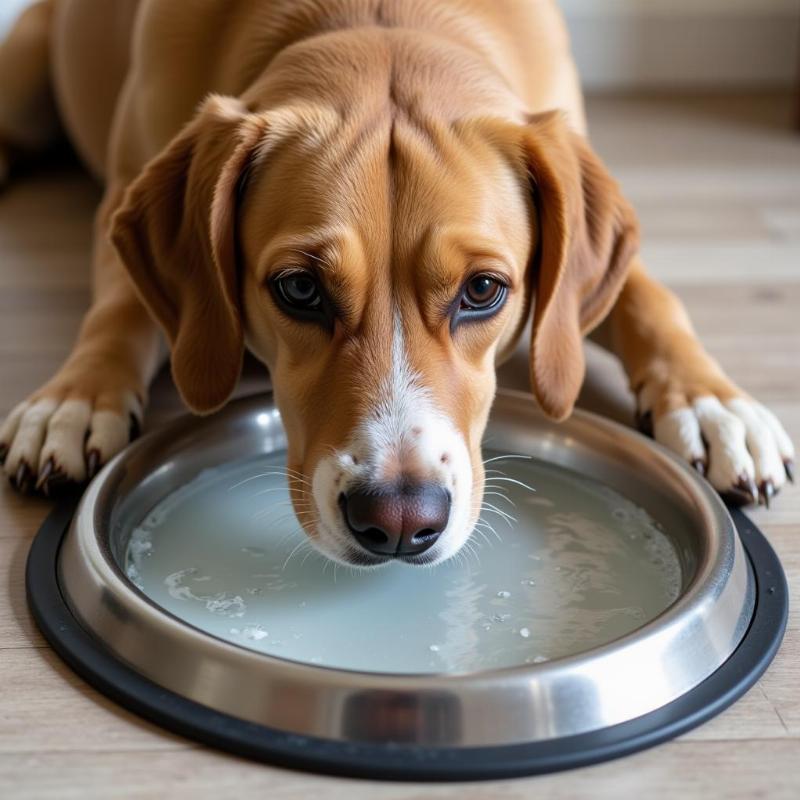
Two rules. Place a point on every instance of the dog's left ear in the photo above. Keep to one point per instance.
(175, 234)
(587, 235)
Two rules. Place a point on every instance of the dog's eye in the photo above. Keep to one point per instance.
(299, 290)
(482, 296)
(300, 295)
(482, 292)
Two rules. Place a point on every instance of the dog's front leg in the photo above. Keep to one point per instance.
(686, 401)
(86, 412)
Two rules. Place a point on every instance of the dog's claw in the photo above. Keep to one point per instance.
(92, 463)
(22, 478)
(788, 465)
(44, 475)
(700, 466)
(766, 492)
(751, 487)
(51, 478)
(744, 492)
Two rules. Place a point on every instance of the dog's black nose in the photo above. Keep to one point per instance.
(397, 520)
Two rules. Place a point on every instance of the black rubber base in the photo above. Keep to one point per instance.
(403, 762)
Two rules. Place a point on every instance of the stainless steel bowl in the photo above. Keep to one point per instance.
(621, 681)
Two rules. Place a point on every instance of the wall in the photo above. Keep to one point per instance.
(623, 44)
(685, 43)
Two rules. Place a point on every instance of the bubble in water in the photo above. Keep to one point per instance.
(540, 659)
(501, 617)
(434, 648)
(175, 587)
(226, 605)
(140, 544)
(504, 594)
(528, 582)
(524, 633)
(254, 632)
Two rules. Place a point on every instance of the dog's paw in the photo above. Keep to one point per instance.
(62, 435)
(737, 443)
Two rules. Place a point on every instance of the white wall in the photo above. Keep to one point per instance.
(666, 43)
(685, 43)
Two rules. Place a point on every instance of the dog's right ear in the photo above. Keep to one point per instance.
(175, 233)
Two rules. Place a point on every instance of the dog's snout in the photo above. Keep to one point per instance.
(397, 520)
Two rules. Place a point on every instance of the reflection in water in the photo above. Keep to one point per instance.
(582, 566)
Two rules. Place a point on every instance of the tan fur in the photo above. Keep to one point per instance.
(395, 147)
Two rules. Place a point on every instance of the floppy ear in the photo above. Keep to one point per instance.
(587, 237)
(175, 233)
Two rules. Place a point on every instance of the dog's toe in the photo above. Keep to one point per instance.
(47, 444)
(24, 433)
(739, 445)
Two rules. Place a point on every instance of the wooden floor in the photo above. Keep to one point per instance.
(717, 185)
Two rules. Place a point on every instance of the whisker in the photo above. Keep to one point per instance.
(312, 256)
(483, 523)
(501, 495)
(272, 473)
(509, 455)
(515, 481)
(505, 514)
(296, 548)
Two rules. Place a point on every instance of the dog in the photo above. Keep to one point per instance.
(376, 199)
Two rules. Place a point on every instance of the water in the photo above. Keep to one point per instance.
(581, 566)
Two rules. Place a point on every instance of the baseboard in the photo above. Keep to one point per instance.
(703, 44)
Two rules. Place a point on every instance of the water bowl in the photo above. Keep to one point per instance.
(607, 601)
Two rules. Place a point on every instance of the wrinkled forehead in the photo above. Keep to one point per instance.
(390, 199)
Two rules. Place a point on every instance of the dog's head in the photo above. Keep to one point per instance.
(380, 268)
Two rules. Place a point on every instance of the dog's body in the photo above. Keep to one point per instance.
(372, 198)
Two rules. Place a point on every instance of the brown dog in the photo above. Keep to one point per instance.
(374, 197)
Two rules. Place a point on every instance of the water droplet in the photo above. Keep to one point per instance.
(528, 582)
(540, 659)
(524, 633)
(434, 648)
(504, 594)
(254, 632)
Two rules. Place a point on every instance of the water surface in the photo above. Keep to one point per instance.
(579, 566)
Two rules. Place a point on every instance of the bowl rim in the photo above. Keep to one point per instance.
(720, 595)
